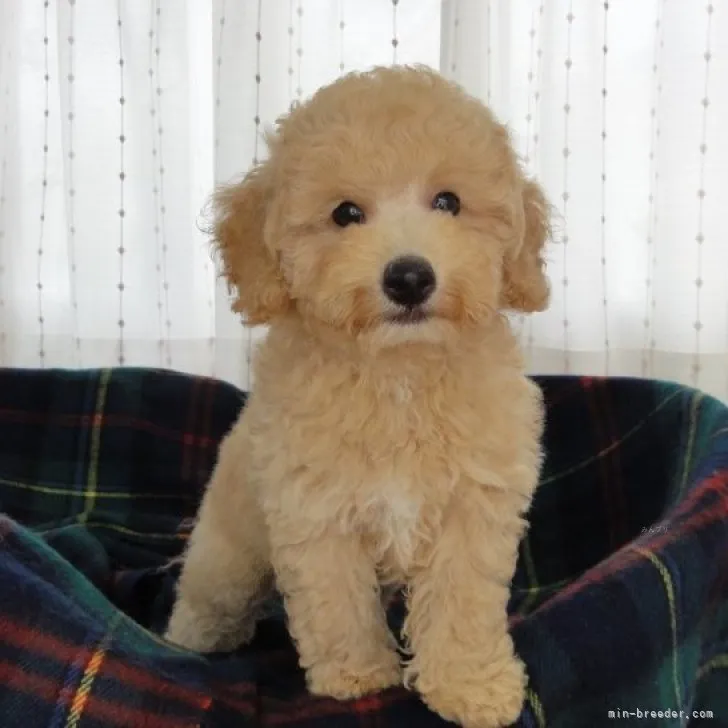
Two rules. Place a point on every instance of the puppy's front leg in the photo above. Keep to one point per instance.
(335, 616)
(226, 572)
(464, 664)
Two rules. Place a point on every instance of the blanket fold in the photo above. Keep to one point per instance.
(619, 605)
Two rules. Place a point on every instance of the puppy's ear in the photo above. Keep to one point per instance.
(249, 266)
(525, 285)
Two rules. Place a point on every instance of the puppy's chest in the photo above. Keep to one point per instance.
(406, 464)
(396, 520)
(383, 466)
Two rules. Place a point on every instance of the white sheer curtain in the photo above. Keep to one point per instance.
(118, 116)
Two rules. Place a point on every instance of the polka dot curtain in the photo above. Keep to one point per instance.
(117, 117)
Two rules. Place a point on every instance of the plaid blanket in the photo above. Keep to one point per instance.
(619, 606)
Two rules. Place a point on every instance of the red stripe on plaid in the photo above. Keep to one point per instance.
(615, 460)
(21, 636)
(207, 417)
(603, 442)
(109, 420)
(14, 677)
(306, 709)
(19, 679)
(149, 683)
(716, 483)
(188, 439)
(6, 526)
(626, 556)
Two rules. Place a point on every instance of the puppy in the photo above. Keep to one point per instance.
(391, 436)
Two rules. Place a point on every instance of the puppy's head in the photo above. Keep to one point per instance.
(391, 204)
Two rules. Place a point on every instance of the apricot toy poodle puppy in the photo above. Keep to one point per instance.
(392, 437)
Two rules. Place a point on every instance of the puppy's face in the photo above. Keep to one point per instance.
(392, 206)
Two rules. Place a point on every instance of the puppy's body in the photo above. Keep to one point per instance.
(376, 445)
(374, 449)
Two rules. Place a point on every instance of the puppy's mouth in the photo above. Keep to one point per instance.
(408, 316)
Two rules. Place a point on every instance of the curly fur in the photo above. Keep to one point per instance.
(373, 453)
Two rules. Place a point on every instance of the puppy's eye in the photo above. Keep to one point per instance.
(348, 213)
(447, 202)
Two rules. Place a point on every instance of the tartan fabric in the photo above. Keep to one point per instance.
(620, 602)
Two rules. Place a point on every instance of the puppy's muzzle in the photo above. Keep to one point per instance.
(408, 281)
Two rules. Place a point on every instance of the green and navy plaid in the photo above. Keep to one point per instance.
(619, 606)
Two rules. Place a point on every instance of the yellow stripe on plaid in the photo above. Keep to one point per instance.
(80, 699)
(119, 529)
(613, 446)
(670, 591)
(533, 588)
(694, 404)
(93, 468)
(536, 707)
(67, 492)
(542, 589)
(715, 663)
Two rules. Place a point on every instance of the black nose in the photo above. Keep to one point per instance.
(408, 281)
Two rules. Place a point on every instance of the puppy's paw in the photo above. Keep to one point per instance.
(487, 697)
(343, 682)
(207, 632)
